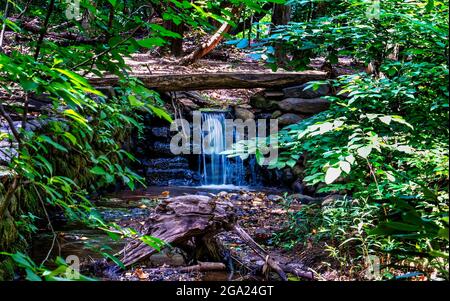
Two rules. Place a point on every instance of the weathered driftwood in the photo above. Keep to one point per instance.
(180, 221)
(191, 223)
(208, 81)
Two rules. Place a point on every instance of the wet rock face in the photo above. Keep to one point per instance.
(173, 171)
(172, 177)
(162, 132)
(167, 163)
(160, 148)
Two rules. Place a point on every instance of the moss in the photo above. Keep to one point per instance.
(6, 269)
(10, 239)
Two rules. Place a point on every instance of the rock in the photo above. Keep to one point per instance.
(263, 116)
(288, 177)
(298, 170)
(167, 163)
(274, 198)
(260, 102)
(108, 91)
(233, 196)
(257, 202)
(302, 105)
(300, 92)
(188, 104)
(304, 199)
(161, 132)
(289, 118)
(245, 197)
(172, 177)
(274, 94)
(329, 199)
(276, 114)
(243, 114)
(298, 186)
(222, 194)
(160, 148)
(262, 235)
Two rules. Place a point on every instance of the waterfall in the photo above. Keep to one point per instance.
(215, 168)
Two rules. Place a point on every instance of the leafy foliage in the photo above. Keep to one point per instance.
(384, 139)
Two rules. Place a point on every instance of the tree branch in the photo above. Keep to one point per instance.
(44, 29)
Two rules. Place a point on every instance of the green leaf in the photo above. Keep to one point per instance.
(332, 174)
(443, 233)
(98, 170)
(75, 78)
(364, 151)
(345, 166)
(160, 113)
(151, 42)
(28, 84)
(50, 141)
(32, 276)
(134, 101)
(114, 259)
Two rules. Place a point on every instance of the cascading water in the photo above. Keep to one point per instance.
(216, 168)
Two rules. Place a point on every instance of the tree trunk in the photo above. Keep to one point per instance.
(281, 15)
(210, 44)
(176, 44)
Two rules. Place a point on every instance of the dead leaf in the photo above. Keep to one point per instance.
(141, 274)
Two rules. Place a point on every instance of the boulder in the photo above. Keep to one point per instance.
(275, 198)
(304, 199)
(276, 114)
(302, 105)
(289, 118)
(243, 114)
(260, 102)
(301, 92)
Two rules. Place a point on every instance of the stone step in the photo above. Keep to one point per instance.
(171, 177)
(167, 163)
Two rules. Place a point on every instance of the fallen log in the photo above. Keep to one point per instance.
(191, 223)
(179, 221)
(209, 81)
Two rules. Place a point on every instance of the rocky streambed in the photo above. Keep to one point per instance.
(260, 213)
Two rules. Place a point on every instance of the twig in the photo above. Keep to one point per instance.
(2, 34)
(372, 172)
(260, 251)
(106, 51)
(24, 10)
(25, 111)
(50, 225)
(44, 29)
(10, 123)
